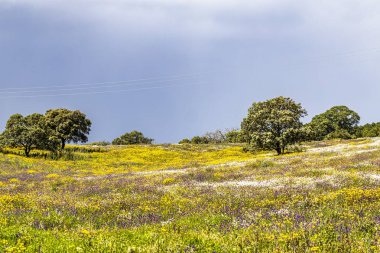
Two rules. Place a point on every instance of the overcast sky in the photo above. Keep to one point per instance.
(174, 69)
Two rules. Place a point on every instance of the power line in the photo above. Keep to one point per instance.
(103, 92)
(108, 86)
(93, 88)
(152, 79)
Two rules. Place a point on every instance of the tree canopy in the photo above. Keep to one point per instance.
(27, 132)
(184, 141)
(199, 140)
(368, 130)
(273, 124)
(337, 122)
(134, 137)
(234, 136)
(68, 126)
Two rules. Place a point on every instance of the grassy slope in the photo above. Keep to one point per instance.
(194, 199)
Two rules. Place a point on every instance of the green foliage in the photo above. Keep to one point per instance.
(27, 132)
(273, 124)
(339, 134)
(337, 122)
(234, 136)
(45, 132)
(199, 140)
(184, 141)
(134, 137)
(68, 126)
(369, 130)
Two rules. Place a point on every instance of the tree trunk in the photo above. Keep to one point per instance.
(27, 151)
(63, 144)
(278, 149)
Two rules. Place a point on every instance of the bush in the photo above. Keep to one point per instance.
(340, 134)
(234, 136)
(184, 141)
(199, 140)
(215, 137)
(100, 143)
(368, 130)
(134, 137)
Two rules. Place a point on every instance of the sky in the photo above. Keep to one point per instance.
(174, 69)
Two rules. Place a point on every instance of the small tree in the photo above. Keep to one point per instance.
(215, 137)
(234, 136)
(134, 137)
(199, 140)
(337, 122)
(100, 143)
(68, 126)
(368, 130)
(274, 124)
(27, 132)
(184, 141)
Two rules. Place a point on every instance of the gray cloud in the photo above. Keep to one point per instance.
(319, 52)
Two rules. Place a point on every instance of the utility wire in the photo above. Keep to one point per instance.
(103, 92)
(108, 86)
(93, 88)
(105, 83)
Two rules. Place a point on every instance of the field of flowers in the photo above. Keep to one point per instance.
(193, 198)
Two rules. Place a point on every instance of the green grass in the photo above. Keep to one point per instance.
(185, 198)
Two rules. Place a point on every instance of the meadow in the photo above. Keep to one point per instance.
(193, 198)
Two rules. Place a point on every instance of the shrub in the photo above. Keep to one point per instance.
(340, 134)
(184, 141)
(368, 130)
(134, 137)
(199, 140)
(234, 136)
(100, 143)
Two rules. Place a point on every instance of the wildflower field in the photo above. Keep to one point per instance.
(193, 198)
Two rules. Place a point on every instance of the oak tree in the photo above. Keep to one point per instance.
(134, 137)
(273, 124)
(68, 126)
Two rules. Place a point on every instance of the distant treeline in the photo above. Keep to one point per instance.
(237, 136)
(274, 124)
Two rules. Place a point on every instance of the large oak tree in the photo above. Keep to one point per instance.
(337, 122)
(68, 126)
(27, 132)
(273, 124)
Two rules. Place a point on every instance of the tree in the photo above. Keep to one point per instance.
(134, 137)
(273, 124)
(199, 140)
(100, 143)
(184, 141)
(234, 136)
(368, 130)
(215, 137)
(27, 132)
(337, 122)
(68, 126)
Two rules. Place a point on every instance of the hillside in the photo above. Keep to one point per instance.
(193, 198)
